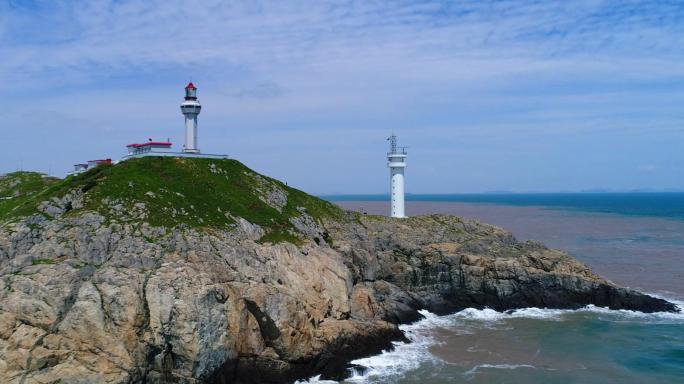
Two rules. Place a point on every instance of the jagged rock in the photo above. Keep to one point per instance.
(271, 193)
(89, 298)
(193, 307)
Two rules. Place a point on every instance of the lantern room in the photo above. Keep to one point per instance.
(190, 92)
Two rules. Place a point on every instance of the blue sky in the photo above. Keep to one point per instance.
(488, 95)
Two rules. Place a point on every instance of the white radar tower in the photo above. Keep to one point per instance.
(396, 161)
(190, 108)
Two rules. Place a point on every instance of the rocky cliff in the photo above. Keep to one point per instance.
(190, 271)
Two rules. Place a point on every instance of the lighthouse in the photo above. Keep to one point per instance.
(396, 161)
(190, 109)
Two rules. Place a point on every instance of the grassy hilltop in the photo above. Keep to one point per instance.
(18, 188)
(199, 193)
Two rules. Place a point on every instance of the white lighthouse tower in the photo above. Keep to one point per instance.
(396, 161)
(190, 108)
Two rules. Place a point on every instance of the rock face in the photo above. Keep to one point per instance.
(88, 299)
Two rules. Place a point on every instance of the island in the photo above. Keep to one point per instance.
(196, 270)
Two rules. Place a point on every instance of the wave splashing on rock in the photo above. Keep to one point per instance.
(407, 358)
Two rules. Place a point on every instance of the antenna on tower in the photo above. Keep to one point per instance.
(393, 143)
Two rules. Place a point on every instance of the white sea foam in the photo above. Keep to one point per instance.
(403, 358)
(487, 315)
(475, 369)
(390, 365)
(316, 380)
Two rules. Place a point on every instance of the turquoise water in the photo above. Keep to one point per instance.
(636, 240)
(537, 346)
(663, 205)
(592, 345)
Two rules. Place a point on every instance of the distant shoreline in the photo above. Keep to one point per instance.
(447, 196)
(666, 205)
(638, 251)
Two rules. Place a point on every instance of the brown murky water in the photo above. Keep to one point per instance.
(543, 346)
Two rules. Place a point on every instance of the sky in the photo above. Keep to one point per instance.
(487, 95)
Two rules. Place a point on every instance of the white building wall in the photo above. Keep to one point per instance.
(190, 132)
(397, 191)
(396, 161)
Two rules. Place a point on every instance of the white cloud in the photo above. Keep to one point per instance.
(307, 71)
(489, 37)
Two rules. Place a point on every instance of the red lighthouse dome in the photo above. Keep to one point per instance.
(190, 92)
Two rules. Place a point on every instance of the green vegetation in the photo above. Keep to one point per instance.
(19, 187)
(279, 236)
(43, 261)
(199, 193)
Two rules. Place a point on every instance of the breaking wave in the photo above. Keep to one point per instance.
(475, 369)
(490, 315)
(405, 357)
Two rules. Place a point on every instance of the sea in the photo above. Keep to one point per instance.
(633, 239)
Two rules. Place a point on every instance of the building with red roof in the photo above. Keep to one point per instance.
(150, 146)
(190, 108)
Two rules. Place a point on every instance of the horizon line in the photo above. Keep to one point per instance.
(634, 191)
